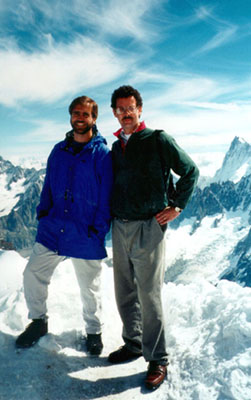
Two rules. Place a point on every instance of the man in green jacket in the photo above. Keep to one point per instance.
(142, 205)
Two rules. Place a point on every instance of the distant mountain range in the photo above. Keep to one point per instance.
(227, 194)
(228, 197)
(21, 188)
(228, 190)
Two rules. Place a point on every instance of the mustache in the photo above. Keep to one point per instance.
(126, 118)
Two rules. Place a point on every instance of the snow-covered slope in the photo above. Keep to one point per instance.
(11, 185)
(19, 196)
(208, 333)
(219, 215)
(208, 319)
(14, 182)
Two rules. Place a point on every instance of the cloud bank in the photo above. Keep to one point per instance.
(61, 69)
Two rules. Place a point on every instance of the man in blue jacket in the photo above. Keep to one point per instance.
(74, 218)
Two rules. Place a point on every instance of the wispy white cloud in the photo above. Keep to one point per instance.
(181, 89)
(225, 35)
(195, 110)
(225, 31)
(212, 105)
(48, 131)
(24, 13)
(61, 69)
(192, 88)
(204, 12)
(51, 70)
(196, 128)
(117, 18)
(208, 14)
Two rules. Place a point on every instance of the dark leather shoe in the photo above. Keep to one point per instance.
(123, 354)
(155, 375)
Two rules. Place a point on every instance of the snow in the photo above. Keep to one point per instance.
(208, 321)
(36, 162)
(10, 196)
(236, 163)
(242, 171)
(208, 333)
(209, 339)
(205, 253)
(208, 162)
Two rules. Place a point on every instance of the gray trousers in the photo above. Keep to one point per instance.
(37, 277)
(138, 261)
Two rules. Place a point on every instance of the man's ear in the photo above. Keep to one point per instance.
(114, 112)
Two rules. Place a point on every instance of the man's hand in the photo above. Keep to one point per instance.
(167, 215)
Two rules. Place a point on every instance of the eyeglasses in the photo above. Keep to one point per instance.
(122, 110)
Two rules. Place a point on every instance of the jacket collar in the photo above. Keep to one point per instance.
(141, 126)
(69, 137)
(123, 143)
(70, 134)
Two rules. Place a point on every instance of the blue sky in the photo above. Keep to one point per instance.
(191, 61)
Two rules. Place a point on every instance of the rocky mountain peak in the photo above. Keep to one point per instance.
(236, 163)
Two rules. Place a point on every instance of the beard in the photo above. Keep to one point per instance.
(81, 130)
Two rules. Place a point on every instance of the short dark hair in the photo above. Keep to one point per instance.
(85, 100)
(123, 92)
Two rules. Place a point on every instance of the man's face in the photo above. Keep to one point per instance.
(128, 113)
(81, 118)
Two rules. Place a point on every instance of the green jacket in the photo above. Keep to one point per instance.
(142, 174)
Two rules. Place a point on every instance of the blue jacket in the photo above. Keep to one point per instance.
(74, 209)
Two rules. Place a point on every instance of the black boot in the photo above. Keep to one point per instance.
(34, 331)
(94, 344)
(123, 354)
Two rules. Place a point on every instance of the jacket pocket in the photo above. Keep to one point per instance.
(151, 234)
